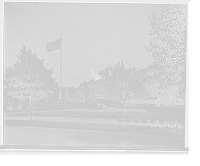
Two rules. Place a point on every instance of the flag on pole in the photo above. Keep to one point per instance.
(54, 45)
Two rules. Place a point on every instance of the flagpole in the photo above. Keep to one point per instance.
(61, 69)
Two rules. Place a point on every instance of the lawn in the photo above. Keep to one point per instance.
(56, 106)
(79, 111)
(66, 106)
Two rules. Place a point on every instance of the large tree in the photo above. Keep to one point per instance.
(169, 35)
(165, 82)
(139, 81)
(29, 79)
(72, 94)
(123, 83)
(118, 81)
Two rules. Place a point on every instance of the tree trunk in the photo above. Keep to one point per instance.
(161, 102)
(33, 106)
(30, 109)
(124, 108)
(41, 106)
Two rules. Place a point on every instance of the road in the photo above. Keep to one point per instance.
(83, 139)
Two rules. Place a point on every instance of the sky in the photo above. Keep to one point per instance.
(95, 36)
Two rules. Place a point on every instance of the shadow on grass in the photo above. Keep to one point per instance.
(21, 114)
(19, 122)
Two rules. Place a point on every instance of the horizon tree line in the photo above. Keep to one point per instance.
(29, 79)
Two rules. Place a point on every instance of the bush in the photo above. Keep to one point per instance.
(180, 124)
(118, 103)
(120, 121)
(153, 123)
(136, 122)
(11, 103)
(162, 123)
(144, 122)
(128, 121)
(172, 124)
(21, 106)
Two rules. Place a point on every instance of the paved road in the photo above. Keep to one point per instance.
(61, 138)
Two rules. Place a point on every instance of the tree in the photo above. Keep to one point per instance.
(107, 81)
(165, 81)
(118, 82)
(28, 79)
(169, 36)
(175, 82)
(81, 96)
(70, 94)
(139, 84)
(92, 87)
(157, 85)
(100, 88)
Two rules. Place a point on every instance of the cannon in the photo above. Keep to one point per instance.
(96, 102)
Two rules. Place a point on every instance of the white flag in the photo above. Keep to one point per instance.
(95, 75)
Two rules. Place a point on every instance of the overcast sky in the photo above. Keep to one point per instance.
(94, 35)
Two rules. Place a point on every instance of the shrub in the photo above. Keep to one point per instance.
(21, 106)
(153, 123)
(128, 121)
(162, 123)
(172, 124)
(180, 124)
(11, 103)
(144, 122)
(136, 122)
(118, 103)
(120, 121)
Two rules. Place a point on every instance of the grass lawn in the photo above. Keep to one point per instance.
(79, 111)
(56, 106)
(151, 112)
(92, 124)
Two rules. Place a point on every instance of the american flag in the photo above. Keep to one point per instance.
(54, 45)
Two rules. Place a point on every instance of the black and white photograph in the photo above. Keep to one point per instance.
(95, 76)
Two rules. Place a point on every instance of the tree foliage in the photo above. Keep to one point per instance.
(139, 81)
(169, 35)
(118, 81)
(164, 82)
(28, 78)
(121, 83)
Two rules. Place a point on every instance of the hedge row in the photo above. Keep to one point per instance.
(154, 101)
